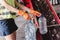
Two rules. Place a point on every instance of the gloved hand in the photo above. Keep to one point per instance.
(24, 14)
(36, 13)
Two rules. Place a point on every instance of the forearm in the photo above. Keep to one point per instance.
(11, 8)
(36, 13)
(22, 7)
(7, 6)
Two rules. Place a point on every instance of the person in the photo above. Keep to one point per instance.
(7, 14)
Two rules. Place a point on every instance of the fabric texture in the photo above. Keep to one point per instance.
(11, 2)
(7, 26)
(6, 14)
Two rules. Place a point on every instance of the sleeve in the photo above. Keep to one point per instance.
(11, 2)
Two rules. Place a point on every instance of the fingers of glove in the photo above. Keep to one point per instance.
(25, 15)
(36, 13)
(21, 12)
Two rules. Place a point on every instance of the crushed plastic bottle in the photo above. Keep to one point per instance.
(42, 25)
(30, 30)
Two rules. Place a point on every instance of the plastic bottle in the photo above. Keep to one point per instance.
(56, 2)
(42, 25)
(30, 30)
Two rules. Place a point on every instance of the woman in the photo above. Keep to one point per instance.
(7, 25)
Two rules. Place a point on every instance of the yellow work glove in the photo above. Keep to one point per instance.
(24, 14)
(36, 13)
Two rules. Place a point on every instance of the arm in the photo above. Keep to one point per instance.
(20, 12)
(36, 13)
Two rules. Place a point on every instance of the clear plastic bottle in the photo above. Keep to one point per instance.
(42, 25)
(30, 30)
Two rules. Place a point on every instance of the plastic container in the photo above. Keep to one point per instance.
(30, 30)
(42, 25)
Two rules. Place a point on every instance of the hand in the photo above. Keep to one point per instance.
(25, 15)
(36, 13)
